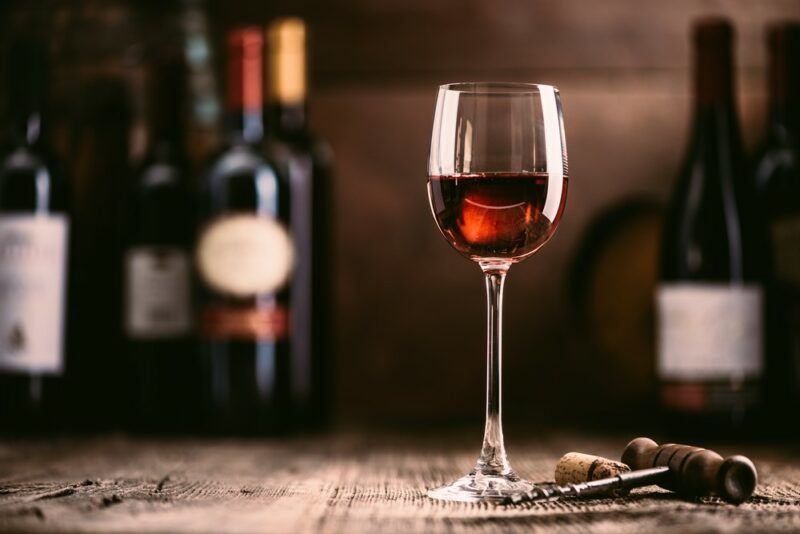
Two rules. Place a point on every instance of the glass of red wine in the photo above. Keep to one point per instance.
(497, 184)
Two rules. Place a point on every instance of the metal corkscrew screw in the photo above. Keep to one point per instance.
(604, 486)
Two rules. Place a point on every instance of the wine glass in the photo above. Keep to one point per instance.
(497, 184)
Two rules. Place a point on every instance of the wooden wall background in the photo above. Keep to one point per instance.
(410, 314)
(411, 310)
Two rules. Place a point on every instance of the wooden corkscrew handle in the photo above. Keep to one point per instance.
(695, 472)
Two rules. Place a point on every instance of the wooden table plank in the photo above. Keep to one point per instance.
(339, 484)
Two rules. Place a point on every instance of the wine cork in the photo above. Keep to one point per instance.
(577, 467)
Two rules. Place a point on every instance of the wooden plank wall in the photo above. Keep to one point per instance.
(411, 316)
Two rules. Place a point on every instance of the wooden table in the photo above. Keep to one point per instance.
(345, 483)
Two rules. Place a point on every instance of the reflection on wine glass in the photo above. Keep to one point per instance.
(497, 184)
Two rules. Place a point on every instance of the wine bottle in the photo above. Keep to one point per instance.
(99, 129)
(777, 173)
(34, 229)
(305, 160)
(710, 299)
(245, 258)
(157, 264)
(204, 110)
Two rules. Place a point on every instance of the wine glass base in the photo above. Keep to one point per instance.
(481, 488)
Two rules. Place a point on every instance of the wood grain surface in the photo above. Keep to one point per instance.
(347, 484)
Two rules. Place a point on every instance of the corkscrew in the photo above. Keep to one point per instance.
(690, 471)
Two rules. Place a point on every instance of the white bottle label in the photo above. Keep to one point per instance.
(157, 293)
(709, 331)
(33, 271)
(244, 255)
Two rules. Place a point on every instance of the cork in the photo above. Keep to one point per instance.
(577, 467)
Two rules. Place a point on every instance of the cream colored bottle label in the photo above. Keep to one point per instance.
(157, 293)
(33, 279)
(709, 331)
(245, 255)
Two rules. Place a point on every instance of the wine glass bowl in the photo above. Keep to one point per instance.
(501, 216)
(497, 185)
(497, 173)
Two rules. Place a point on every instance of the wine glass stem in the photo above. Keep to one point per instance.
(493, 459)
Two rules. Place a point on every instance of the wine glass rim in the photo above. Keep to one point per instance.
(497, 87)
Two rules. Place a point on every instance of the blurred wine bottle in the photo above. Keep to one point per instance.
(157, 264)
(244, 258)
(305, 161)
(101, 82)
(777, 174)
(204, 110)
(710, 301)
(34, 235)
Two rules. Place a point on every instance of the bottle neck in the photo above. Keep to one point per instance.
(718, 119)
(713, 77)
(286, 75)
(26, 128)
(245, 126)
(715, 110)
(245, 85)
(716, 125)
(166, 150)
(26, 89)
(167, 97)
(784, 119)
(784, 87)
(166, 130)
(287, 119)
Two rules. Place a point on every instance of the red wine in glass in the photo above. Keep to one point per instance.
(497, 215)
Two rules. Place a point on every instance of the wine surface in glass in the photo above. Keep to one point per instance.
(505, 216)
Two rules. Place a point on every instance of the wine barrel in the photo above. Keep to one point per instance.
(614, 274)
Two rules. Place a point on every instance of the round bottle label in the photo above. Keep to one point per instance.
(244, 255)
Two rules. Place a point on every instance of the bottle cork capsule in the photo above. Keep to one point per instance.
(577, 467)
